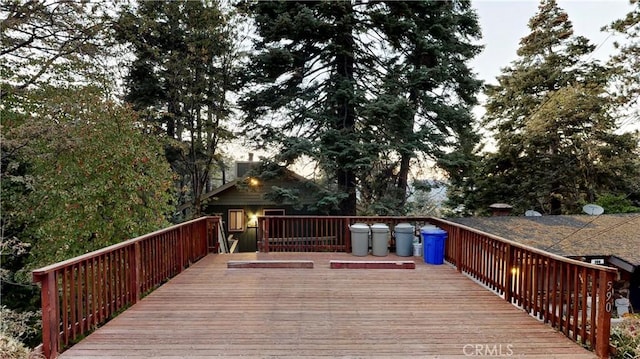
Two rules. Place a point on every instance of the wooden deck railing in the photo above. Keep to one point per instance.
(82, 293)
(574, 297)
(318, 233)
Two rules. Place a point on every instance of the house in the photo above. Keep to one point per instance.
(242, 200)
(608, 239)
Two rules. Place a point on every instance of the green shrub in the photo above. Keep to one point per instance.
(21, 326)
(12, 348)
(625, 337)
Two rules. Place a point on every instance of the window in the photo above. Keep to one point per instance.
(273, 212)
(236, 220)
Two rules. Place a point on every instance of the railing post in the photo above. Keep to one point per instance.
(603, 320)
(212, 233)
(347, 235)
(50, 314)
(203, 243)
(265, 235)
(181, 246)
(136, 273)
(508, 282)
(457, 242)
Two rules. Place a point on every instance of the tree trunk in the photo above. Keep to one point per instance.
(403, 179)
(345, 112)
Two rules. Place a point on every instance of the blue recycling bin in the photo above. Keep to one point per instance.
(433, 239)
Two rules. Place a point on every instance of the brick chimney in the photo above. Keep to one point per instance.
(500, 209)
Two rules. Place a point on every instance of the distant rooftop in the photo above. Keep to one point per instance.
(576, 235)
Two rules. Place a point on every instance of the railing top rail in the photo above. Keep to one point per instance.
(38, 273)
(529, 248)
(393, 218)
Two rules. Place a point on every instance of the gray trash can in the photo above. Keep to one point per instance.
(359, 239)
(404, 239)
(379, 239)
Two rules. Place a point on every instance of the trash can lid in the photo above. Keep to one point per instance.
(404, 228)
(359, 227)
(432, 229)
(379, 227)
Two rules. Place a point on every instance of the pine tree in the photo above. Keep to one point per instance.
(180, 78)
(362, 88)
(625, 63)
(556, 146)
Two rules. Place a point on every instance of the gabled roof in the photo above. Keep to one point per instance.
(231, 184)
(571, 235)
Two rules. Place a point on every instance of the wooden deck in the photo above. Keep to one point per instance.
(212, 311)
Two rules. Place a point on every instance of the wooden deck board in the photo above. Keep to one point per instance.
(270, 264)
(375, 264)
(430, 312)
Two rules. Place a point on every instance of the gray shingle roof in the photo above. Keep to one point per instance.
(575, 235)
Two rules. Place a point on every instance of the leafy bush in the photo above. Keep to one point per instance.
(12, 348)
(625, 337)
(20, 325)
(617, 204)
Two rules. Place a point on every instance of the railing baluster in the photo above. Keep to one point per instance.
(574, 303)
(80, 299)
(583, 305)
(535, 278)
(137, 272)
(566, 305)
(93, 320)
(266, 236)
(65, 305)
(594, 306)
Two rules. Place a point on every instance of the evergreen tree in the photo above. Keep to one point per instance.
(625, 63)
(362, 88)
(180, 78)
(556, 146)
